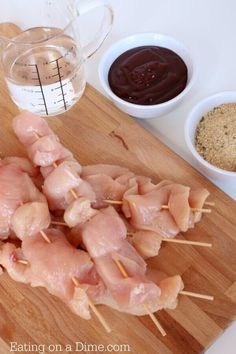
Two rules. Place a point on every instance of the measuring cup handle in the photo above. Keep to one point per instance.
(87, 6)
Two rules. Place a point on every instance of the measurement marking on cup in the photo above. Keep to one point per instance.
(52, 61)
(62, 91)
(41, 88)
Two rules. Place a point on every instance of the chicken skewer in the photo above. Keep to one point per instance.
(29, 205)
(72, 189)
(120, 202)
(76, 283)
(182, 292)
(171, 240)
(146, 308)
(151, 315)
(124, 273)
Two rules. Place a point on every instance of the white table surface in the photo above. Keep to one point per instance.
(208, 29)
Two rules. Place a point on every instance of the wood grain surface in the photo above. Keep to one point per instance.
(96, 132)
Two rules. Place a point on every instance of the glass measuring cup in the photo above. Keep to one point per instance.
(42, 57)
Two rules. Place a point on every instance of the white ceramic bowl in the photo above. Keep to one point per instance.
(192, 121)
(145, 111)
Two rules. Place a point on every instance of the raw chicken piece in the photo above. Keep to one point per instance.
(110, 210)
(146, 210)
(103, 234)
(124, 179)
(30, 218)
(105, 188)
(132, 261)
(65, 155)
(104, 237)
(54, 272)
(78, 212)
(113, 171)
(197, 198)
(16, 188)
(83, 190)
(24, 164)
(132, 293)
(59, 182)
(25, 126)
(146, 243)
(179, 206)
(74, 236)
(132, 189)
(45, 151)
(163, 224)
(55, 263)
(9, 253)
(143, 208)
(170, 287)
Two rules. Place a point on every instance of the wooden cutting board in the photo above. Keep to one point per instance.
(96, 132)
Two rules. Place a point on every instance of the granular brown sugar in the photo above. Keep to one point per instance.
(215, 137)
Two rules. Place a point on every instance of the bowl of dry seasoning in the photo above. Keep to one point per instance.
(210, 134)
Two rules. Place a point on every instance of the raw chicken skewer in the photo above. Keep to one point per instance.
(171, 240)
(35, 205)
(72, 191)
(120, 202)
(117, 246)
(182, 292)
(142, 206)
(124, 273)
(76, 283)
(151, 315)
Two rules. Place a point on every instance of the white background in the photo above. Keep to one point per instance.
(208, 29)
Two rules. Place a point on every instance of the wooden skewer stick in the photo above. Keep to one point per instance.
(119, 202)
(150, 314)
(94, 309)
(43, 234)
(199, 210)
(200, 296)
(60, 223)
(116, 202)
(187, 242)
(74, 193)
(210, 203)
(22, 261)
(184, 242)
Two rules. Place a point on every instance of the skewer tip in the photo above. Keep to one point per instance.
(197, 295)
(45, 237)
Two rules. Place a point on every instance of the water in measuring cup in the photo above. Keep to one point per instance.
(44, 78)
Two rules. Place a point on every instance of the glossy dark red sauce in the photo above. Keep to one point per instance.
(148, 75)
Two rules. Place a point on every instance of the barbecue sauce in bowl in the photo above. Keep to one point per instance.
(148, 75)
